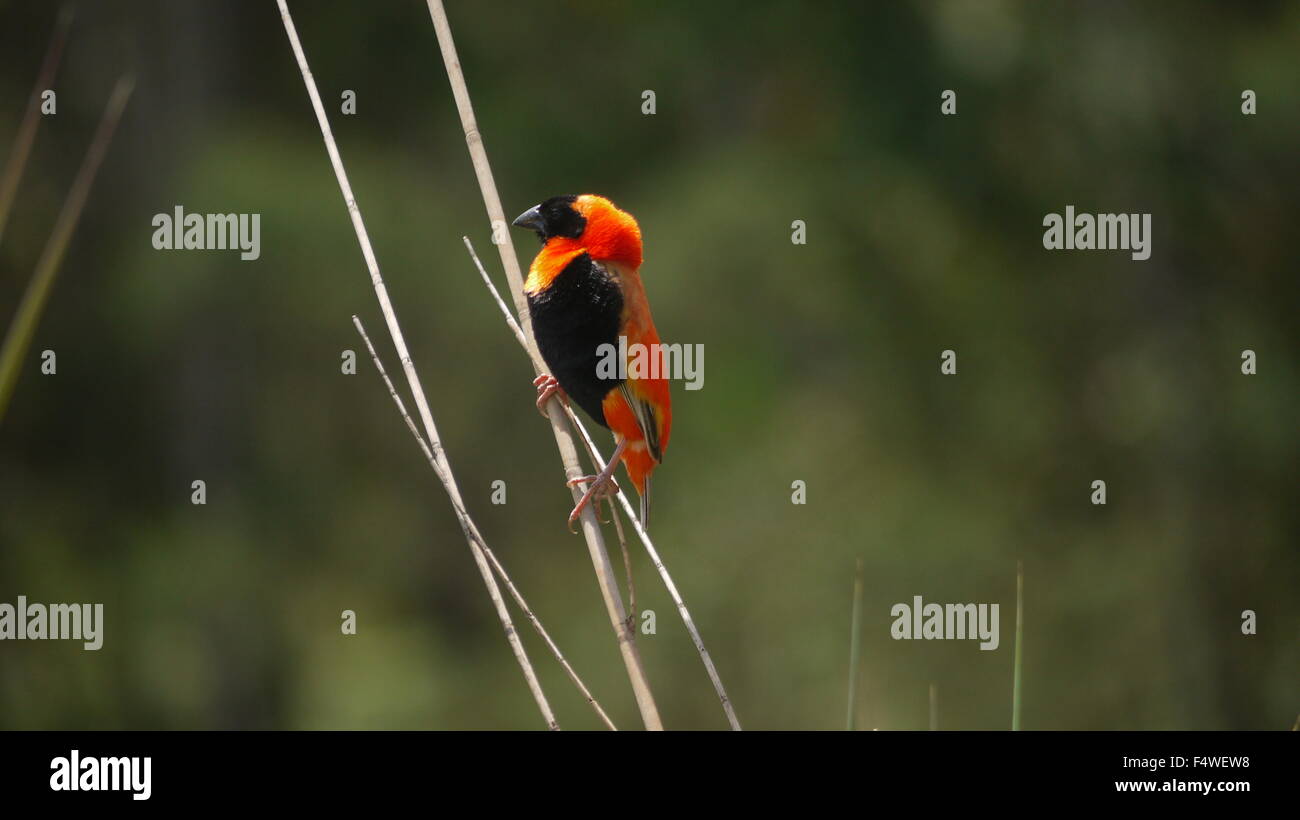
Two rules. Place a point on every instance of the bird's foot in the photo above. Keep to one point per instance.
(602, 487)
(547, 386)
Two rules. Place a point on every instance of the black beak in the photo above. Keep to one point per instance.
(532, 219)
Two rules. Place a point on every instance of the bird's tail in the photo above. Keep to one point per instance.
(645, 504)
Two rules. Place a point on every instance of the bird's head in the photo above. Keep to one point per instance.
(588, 222)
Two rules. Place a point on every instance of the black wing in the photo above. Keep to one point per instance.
(572, 317)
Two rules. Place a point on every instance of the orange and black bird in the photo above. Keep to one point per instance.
(584, 292)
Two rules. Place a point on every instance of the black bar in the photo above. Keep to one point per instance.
(332, 769)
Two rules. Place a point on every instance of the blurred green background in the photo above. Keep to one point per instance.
(924, 233)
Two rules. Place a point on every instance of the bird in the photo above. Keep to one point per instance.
(584, 292)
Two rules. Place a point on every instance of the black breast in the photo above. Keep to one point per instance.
(572, 318)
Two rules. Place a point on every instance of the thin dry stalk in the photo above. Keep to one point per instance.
(605, 576)
(613, 510)
(496, 294)
(20, 332)
(668, 582)
(855, 641)
(413, 380)
(26, 135)
(598, 463)
(934, 707)
(1020, 634)
(471, 529)
(627, 564)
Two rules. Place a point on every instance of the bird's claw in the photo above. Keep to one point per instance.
(598, 491)
(546, 386)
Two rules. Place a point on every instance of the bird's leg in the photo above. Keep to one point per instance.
(602, 485)
(547, 386)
